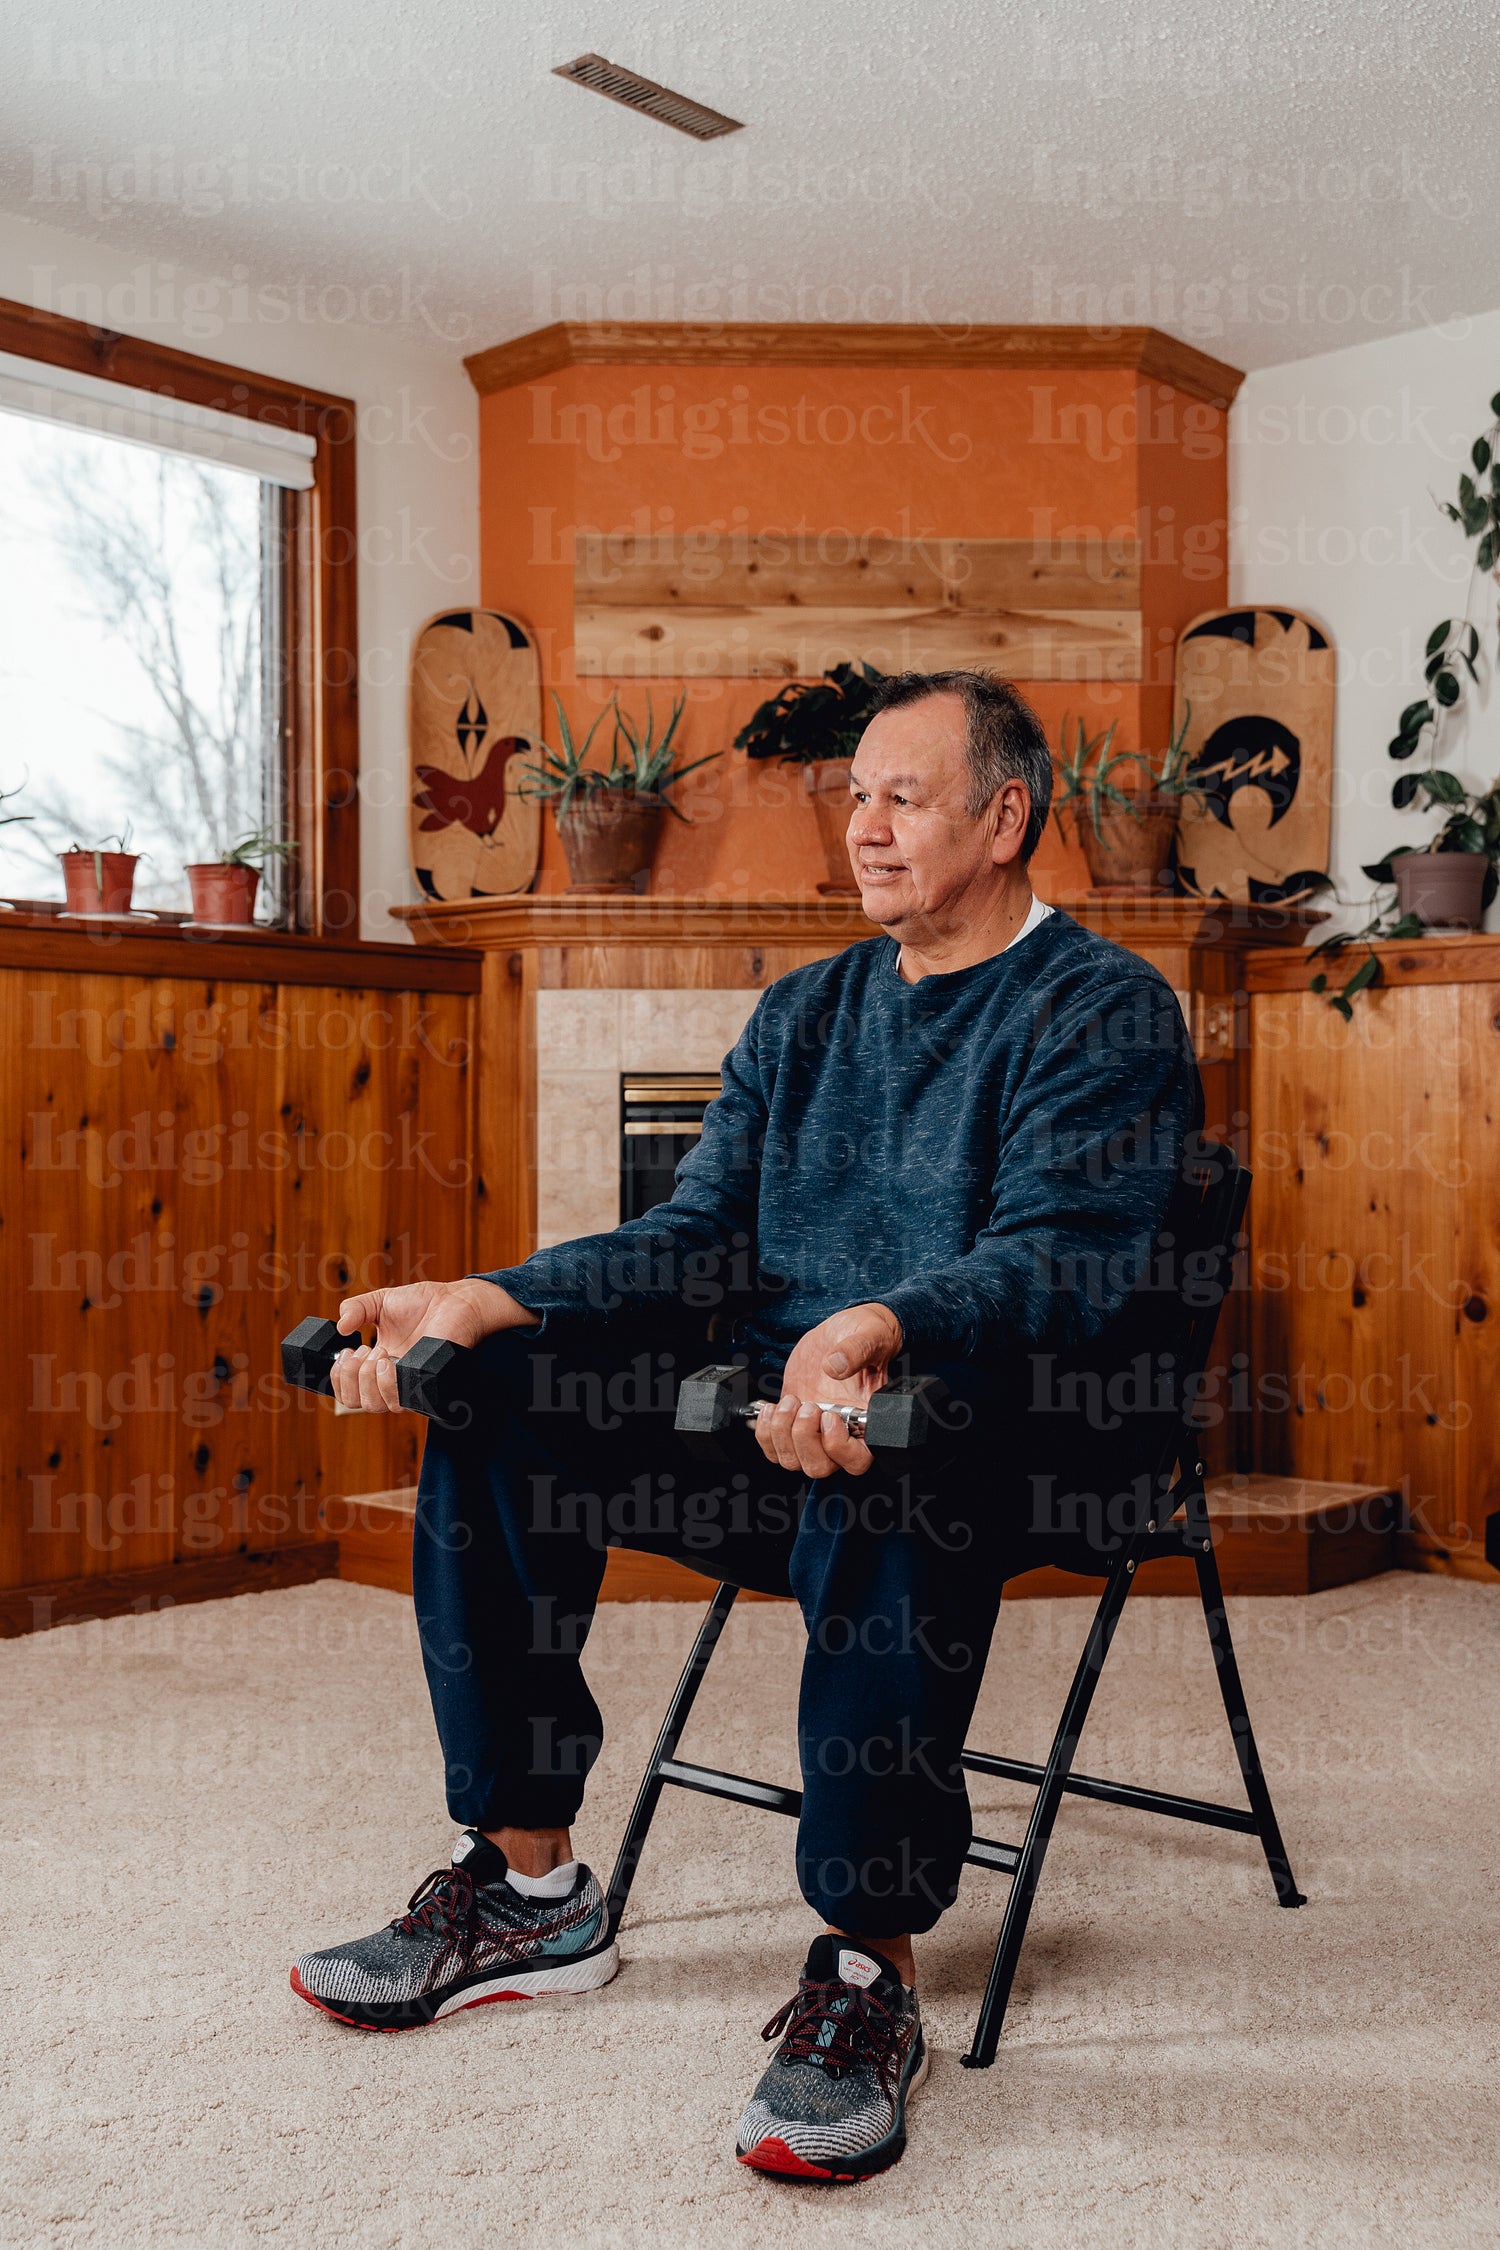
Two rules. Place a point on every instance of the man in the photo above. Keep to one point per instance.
(951, 1145)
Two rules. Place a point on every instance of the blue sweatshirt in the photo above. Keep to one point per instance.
(989, 1153)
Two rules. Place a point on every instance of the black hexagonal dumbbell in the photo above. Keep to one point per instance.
(895, 1419)
(434, 1378)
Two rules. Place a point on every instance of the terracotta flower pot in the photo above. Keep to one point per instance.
(609, 839)
(223, 892)
(1445, 890)
(826, 781)
(1132, 848)
(87, 894)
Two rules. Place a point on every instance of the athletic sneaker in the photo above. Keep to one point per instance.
(467, 1937)
(832, 2106)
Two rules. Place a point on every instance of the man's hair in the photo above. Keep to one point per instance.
(1004, 740)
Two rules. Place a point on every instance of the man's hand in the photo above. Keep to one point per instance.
(459, 1311)
(843, 1360)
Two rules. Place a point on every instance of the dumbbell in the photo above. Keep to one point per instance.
(895, 1419)
(433, 1378)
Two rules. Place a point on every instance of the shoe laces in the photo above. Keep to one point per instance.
(837, 2027)
(447, 1904)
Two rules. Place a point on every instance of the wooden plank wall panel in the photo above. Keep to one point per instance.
(736, 605)
(1360, 1242)
(1476, 1489)
(172, 1197)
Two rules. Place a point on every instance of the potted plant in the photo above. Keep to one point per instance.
(99, 878)
(816, 724)
(609, 817)
(1448, 882)
(224, 889)
(1127, 834)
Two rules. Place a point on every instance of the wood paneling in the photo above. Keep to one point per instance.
(703, 641)
(192, 1164)
(1376, 1259)
(1034, 347)
(737, 605)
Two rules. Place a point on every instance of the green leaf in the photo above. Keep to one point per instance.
(1366, 974)
(1414, 716)
(1463, 835)
(1319, 983)
(1485, 559)
(1445, 688)
(1466, 493)
(1480, 455)
(1438, 637)
(1404, 791)
(1401, 746)
(1378, 870)
(1443, 788)
(1343, 1008)
(1495, 406)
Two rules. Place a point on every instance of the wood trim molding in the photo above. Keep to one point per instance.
(561, 918)
(133, 1593)
(1023, 349)
(135, 949)
(1463, 958)
(321, 581)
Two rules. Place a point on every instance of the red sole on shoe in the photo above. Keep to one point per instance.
(488, 2000)
(774, 2156)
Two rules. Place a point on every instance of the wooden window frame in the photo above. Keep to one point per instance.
(320, 643)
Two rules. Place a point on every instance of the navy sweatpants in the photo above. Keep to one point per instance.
(898, 1578)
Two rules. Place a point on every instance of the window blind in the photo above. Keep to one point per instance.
(170, 425)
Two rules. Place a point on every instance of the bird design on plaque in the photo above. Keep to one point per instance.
(475, 708)
(1255, 690)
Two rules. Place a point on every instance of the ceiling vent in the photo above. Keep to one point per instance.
(627, 86)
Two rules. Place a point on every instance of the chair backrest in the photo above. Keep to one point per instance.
(1111, 1420)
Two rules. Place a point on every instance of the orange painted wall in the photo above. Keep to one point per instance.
(906, 453)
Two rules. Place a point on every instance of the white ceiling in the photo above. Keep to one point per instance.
(1268, 181)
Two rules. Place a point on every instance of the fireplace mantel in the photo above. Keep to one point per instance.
(1144, 923)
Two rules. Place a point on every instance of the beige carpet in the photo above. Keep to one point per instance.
(191, 1798)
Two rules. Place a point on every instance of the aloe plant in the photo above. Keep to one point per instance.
(253, 850)
(561, 777)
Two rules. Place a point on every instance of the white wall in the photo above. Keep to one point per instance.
(1336, 467)
(418, 473)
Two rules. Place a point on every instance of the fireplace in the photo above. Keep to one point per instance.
(661, 1115)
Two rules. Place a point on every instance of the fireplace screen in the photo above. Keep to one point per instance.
(661, 1115)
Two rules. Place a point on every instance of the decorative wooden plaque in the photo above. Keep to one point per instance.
(1260, 742)
(791, 605)
(475, 710)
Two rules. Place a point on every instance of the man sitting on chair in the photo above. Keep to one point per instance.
(951, 1147)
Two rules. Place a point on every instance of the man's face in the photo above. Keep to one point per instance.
(918, 854)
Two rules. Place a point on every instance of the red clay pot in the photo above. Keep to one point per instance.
(1132, 848)
(223, 891)
(86, 893)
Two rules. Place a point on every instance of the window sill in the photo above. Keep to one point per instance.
(43, 936)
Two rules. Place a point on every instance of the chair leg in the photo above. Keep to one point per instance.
(648, 1795)
(1216, 1618)
(1044, 1813)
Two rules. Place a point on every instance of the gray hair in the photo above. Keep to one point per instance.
(1004, 740)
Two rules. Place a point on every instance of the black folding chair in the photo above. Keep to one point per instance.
(1204, 1235)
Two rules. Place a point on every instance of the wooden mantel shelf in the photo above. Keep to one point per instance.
(563, 918)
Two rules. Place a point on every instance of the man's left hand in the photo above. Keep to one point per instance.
(840, 1361)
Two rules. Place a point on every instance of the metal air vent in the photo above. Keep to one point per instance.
(627, 86)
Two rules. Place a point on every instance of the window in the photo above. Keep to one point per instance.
(140, 691)
(176, 620)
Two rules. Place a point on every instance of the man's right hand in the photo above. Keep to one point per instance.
(461, 1312)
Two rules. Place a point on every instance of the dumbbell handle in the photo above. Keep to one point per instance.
(853, 1418)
